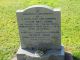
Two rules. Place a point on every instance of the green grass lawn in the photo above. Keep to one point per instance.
(9, 36)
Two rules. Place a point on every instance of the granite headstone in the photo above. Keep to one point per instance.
(40, 33)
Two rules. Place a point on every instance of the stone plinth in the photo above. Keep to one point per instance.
(24, 54)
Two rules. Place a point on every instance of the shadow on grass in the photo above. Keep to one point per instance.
(75, 58)
(76, 55)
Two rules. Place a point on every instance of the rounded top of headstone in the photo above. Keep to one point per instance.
(38, 6)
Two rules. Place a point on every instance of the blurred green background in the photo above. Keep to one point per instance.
(70, 25)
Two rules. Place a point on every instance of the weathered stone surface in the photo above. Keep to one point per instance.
(23, 54)
(39, 26)
(40, 33)
(68, 56)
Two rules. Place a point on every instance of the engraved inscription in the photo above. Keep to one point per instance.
(39, 25)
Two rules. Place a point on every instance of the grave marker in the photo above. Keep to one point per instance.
(40, 30)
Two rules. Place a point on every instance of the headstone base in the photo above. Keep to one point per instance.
(23, 54)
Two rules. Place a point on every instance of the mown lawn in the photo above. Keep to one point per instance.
(9, 36)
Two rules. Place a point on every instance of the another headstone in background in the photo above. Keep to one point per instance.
(40, 33)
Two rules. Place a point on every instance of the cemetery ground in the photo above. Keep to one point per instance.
(70, 25)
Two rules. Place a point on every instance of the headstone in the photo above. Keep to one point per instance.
(40, 33)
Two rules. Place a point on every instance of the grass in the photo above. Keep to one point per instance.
(9, 38)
